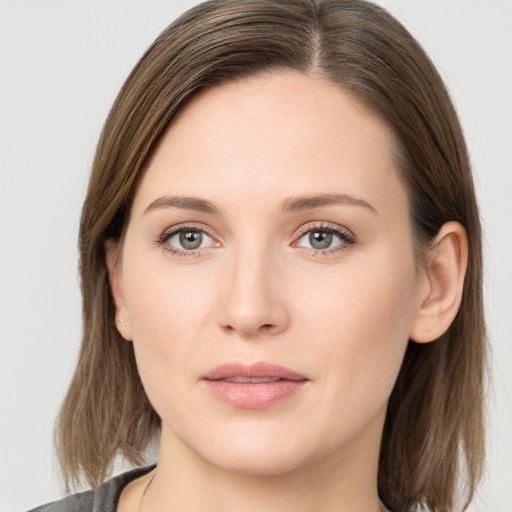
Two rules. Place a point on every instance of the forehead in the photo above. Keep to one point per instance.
(276, 133)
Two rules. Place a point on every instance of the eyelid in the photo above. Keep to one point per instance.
(177, 228)
(183, 226)
(347, 237)
(326, 226)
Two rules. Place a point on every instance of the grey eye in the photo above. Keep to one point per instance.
(191, 240)
(320, 239)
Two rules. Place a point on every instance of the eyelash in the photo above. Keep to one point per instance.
(347, 238)
(182, 228)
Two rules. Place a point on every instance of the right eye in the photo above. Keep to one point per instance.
(186, 240)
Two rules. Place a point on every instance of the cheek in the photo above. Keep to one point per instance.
(360, 324)
(168, 313)
(164, 300)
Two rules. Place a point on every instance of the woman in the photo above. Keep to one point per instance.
(281, 273)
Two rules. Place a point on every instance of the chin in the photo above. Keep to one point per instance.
(259, 451)
(256, 461)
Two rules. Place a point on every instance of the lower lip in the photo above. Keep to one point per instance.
(254, 396)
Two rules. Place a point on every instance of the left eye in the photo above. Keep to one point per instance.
(320, 239)
(189, 240)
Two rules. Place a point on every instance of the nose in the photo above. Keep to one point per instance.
(254, 296)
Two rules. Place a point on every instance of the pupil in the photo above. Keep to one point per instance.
(320, 239)
(191, 240)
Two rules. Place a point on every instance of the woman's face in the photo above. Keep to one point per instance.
(267, 276)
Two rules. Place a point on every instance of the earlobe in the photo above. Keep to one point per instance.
(116, 287)
(442, 283)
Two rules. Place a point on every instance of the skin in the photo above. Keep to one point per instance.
(257, 290)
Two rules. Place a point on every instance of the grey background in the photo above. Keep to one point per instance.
(61, 65)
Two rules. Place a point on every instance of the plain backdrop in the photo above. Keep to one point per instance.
(61, 66)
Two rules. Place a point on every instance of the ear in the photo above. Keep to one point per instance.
(440, 290)
(112, 256)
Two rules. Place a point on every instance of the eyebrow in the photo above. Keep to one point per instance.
(183, 203)
(301, 203)
(290, 205)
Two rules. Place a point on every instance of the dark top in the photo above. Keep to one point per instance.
(102, 499)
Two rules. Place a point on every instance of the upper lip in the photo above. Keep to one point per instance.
(259, 370)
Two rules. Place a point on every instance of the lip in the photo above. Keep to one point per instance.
(253, 395)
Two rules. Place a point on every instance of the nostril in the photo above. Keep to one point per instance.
(250, 318)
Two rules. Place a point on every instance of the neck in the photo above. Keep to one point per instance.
(336, 482)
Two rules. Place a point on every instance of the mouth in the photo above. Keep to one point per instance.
(253, 386)
(252, 380)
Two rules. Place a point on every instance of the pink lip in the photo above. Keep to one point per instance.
(250, 395)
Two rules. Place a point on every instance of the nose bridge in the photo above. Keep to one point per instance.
(253, 301)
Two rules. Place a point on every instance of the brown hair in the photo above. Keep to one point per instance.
(433, 435)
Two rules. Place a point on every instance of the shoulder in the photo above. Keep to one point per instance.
(103, 498)
(79, 502)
